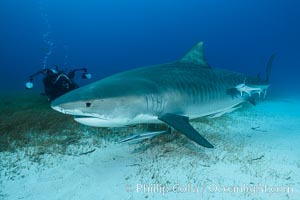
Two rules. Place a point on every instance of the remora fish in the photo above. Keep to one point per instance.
(173, 93)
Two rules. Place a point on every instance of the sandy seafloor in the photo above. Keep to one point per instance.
(254, 146)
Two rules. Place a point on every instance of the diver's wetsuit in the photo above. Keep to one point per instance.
(58, 84)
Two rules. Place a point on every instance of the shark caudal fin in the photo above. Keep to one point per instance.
(269, 66)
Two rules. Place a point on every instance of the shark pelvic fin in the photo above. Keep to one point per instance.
(195, 56)
(181, 123)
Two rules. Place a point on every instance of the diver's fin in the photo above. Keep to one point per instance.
(181, 123)
(143, 136)
(269, 66)
(195, 56)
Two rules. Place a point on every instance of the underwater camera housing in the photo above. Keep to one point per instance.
(86, 75)
(57, 82)
(29, 85)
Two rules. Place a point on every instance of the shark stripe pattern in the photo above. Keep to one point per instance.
(171, 93)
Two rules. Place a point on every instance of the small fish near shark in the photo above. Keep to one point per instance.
(172, 93)
(250, 90)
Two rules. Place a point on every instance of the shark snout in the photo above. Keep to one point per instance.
(58, 109)
(70, 110)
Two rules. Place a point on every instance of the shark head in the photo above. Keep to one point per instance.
(106, 103)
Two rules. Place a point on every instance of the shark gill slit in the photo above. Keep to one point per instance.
(217, 91)
(206, 98)
(213, 92)
(208, 89)
(209, 92)
(200, 91)
(147, 103)
(157, 103)
(152, 102)
(203, 92)
(160, 109)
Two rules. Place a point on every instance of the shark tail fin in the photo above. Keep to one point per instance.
(269, 66)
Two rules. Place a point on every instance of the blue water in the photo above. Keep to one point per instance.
(110, 36)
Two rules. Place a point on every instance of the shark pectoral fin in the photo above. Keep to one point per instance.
(181, 123)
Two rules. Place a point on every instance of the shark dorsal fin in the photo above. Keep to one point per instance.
(195, 56)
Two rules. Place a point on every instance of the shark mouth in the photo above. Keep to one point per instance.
(121, 121)
(98, 122)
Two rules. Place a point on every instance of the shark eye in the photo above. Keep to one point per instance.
(88, 104)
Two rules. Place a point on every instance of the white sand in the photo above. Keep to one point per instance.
(255, 146)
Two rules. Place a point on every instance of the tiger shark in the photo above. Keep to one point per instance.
(172, 93)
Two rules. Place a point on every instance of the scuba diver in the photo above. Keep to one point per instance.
(57, 82)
